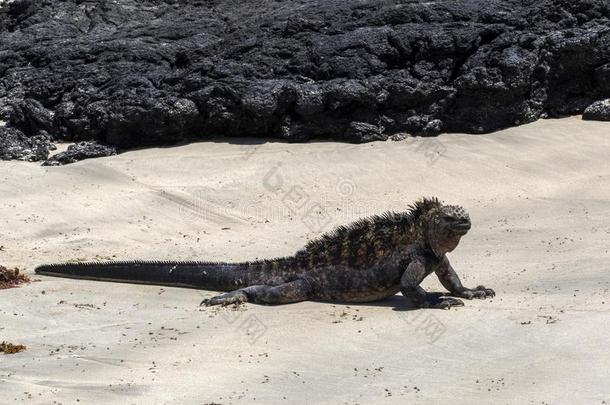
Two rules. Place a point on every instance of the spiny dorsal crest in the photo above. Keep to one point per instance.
(424, 207)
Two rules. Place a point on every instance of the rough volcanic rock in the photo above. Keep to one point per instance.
(598, 111)
(363, 132)
(134, 73)
(80, 151)
(14, 144)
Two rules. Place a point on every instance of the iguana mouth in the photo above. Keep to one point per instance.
(462, 227)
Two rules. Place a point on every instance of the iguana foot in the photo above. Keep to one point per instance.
(479, 292)
(444, 303)
(441, 301)
(233, 297)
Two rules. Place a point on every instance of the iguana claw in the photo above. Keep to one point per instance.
(479, 292)
(443, 302)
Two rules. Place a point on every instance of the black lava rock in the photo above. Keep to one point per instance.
(598, 111)
(80, 151)
(15, 145)
(132, 73)
(362, 132)
(433, 127)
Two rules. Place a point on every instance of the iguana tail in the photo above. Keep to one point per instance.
(203, 275)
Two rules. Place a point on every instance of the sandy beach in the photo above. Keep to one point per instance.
(539, 199)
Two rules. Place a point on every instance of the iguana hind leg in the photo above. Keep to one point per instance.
(294, 291)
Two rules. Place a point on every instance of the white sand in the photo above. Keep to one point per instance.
(539, 198)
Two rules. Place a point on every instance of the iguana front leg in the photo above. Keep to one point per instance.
(450, 280)
(410, 289)
(294, 291)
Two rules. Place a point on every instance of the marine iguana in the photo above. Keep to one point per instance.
(369, 260)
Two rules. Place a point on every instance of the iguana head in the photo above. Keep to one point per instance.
(441, 226)
(446, 228)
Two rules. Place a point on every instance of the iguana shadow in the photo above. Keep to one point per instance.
(396, 302)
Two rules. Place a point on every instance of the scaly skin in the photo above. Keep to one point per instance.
(369, 260)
